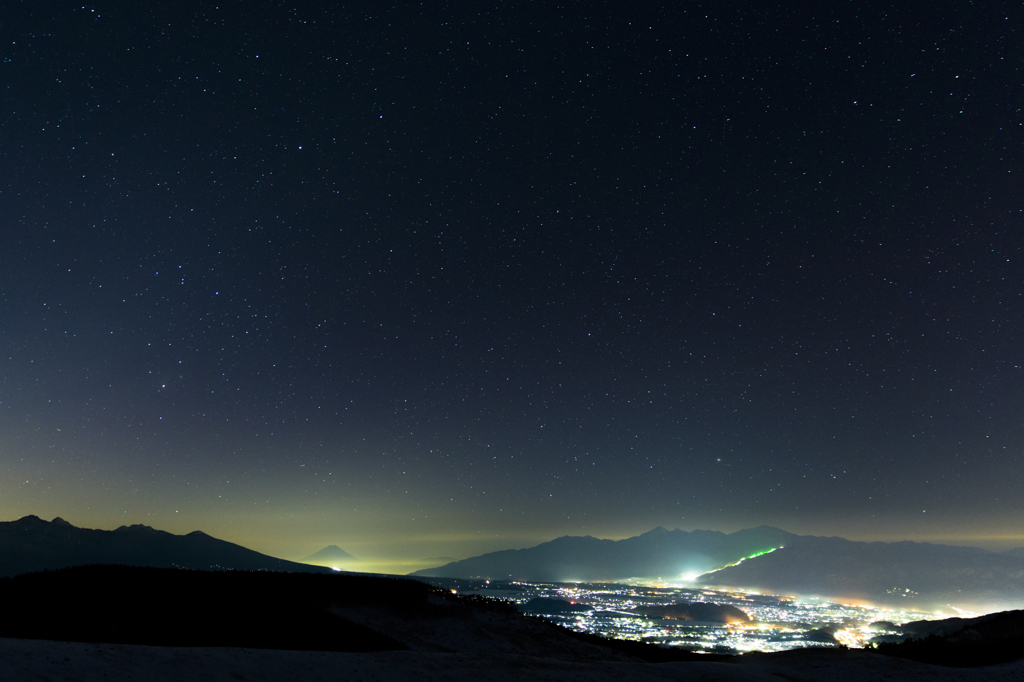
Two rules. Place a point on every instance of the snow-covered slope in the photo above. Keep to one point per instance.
(76, 662)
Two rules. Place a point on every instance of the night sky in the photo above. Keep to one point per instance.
(432, 280)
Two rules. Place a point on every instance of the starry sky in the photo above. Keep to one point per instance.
(432, 280)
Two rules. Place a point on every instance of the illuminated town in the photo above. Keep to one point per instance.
(776, 623)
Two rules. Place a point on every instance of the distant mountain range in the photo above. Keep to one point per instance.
(32, 544)
(907, 574)
(658, 553)
(915, 574)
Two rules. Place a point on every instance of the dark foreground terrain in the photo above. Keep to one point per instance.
(24, 659)
(174, 607)
(114, 622)
(971, 642)
(290, 611)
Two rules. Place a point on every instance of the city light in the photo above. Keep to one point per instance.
(777, 622)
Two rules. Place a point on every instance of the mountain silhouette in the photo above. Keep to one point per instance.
(908, 574)
(903, 574)
(330, 553)
(32, 544)
(657, 553)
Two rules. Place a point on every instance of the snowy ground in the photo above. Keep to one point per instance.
(31, 660)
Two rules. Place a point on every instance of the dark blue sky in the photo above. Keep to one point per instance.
(449, 278)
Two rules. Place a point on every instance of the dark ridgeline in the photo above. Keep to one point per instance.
(31, 544)
(987, 640)
(657, 553)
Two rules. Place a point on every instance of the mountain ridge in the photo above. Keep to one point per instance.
(656, 553)
(902, 574)
(30, 544)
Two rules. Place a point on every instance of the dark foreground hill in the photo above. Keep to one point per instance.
(173, 607)
(962, 642)
(31, 544)
(658, 553)
(290, 611)
(906, 574)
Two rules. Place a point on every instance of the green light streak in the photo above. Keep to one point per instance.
(737, 563)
